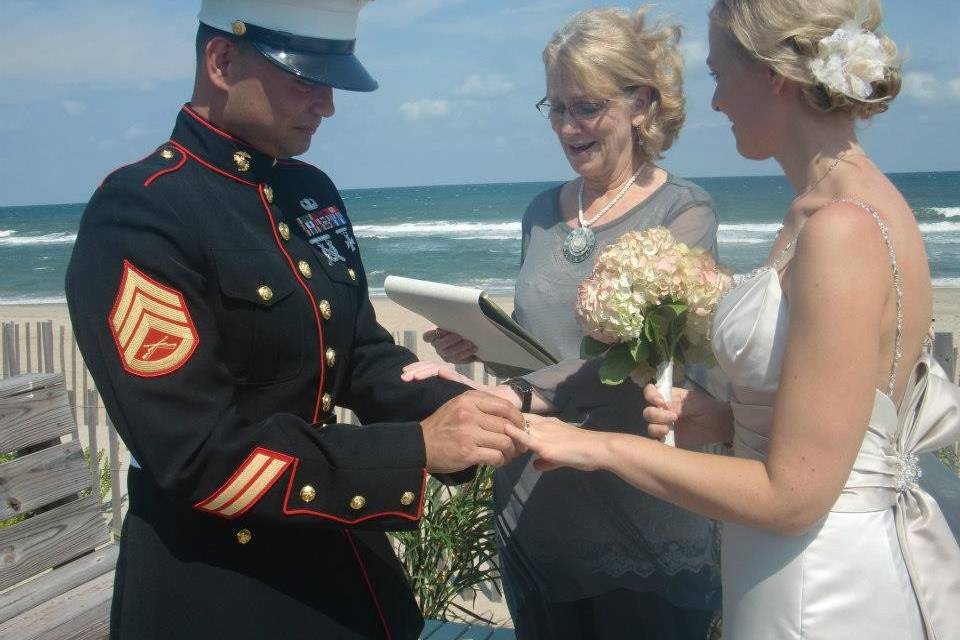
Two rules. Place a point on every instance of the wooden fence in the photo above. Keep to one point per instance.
(46, 347)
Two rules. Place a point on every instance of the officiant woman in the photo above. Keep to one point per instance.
(585, 555)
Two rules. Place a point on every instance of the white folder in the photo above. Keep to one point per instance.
(502, 344)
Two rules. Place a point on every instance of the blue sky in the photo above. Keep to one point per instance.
(87, 85)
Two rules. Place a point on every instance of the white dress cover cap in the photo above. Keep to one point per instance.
(313, 39)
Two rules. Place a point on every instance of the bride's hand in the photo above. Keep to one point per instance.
(697, 417)
(422, 369)
(558, 444)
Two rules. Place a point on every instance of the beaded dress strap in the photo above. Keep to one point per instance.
(897, 285)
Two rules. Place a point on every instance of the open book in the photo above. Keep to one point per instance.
(502, 345)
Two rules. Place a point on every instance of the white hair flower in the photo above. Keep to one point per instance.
(849, 60)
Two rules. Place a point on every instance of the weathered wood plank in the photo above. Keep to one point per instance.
(50, 538)
(91, 416)
(410, 341)
(34, 417)
(448, 631)
(45, 334)
(116, 497)
(58, 581)
(26, 345)
(40, 478)
(83, 613)
(28, 382)
(945, 353)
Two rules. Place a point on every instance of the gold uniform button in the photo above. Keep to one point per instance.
(331, 357)
(326, 403)
(166, 154)
(352, 274)
(244, 536)
(358, 502)
(268, 193)
(305, 269)
(238, 28)
(242, 160)
(284, 230)
(407, 498)
(308, 493)
(265, 293)
(325, 309)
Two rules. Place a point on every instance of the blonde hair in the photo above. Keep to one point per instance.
(608, 50)
(785, 34)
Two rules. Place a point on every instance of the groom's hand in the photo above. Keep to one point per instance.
(469, 430)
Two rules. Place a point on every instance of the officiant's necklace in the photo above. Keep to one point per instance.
(581, 241)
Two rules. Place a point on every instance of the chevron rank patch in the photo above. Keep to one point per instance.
(151, 326)
(248, 484)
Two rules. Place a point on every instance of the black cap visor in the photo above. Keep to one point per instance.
(337, 70)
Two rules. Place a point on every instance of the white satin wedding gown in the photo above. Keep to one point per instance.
(882, 564)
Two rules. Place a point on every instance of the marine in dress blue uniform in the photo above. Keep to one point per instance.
(220, 302)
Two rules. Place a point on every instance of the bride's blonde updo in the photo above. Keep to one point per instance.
(786, 35)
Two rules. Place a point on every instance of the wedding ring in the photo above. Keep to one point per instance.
(526, 426)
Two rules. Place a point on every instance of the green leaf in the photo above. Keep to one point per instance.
(590, 348)
(677, 308)
(617, 365)
(639, 350)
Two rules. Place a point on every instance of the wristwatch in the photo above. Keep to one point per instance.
(523, 389)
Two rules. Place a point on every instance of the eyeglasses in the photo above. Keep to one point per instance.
(579, 111)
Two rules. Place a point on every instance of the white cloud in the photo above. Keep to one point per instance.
(424, 109)
(920, 86)
(403, 11)
(485, 86)
(60, 44)
(74, 107)
(694, 52)
(134, 131)
(954, 86)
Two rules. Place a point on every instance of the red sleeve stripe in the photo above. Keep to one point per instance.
(246, 486)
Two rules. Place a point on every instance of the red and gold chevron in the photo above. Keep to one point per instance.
(254, 478)
(151, 325)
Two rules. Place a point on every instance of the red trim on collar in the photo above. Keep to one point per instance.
(162, 172)
(209, 125)
(210, 166)
(366, 578)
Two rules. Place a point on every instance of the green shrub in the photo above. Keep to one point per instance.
(452, 552)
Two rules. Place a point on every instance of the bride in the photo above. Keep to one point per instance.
(832, 391)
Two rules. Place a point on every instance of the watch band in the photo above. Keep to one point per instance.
(523, 389)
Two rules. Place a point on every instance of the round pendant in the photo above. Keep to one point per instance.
(579, 244)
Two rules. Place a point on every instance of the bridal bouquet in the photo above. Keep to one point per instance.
(647, 305)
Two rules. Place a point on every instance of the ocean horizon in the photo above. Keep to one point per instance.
(470, 234)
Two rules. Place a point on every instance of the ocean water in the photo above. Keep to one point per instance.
(470, 234)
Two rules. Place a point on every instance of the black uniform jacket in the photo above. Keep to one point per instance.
(220, 303)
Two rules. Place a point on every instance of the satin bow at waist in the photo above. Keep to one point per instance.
(885, 474)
